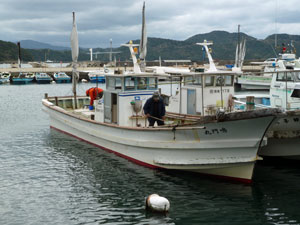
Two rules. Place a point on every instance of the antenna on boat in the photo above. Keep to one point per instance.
(212, 67)
(133, 51)
(75, 52)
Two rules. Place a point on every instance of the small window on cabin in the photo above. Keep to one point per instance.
(189, 80)
(152, 83)
(296, 93)
(142, 83)
(129, 83)
(228, 80)
(296, 76)
(284, 77)
(111, 83)
(197, 80)
(118, 83)
(209, 81)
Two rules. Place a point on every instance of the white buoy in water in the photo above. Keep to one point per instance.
(53, 82)
(84, 81)
(157, 203)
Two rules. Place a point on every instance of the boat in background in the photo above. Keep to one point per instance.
(98, 76)
(61, 77)
(43, 78)
(23, 78)
(4, 78)
(284, 134)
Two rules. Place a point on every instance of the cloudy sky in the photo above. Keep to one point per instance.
(99, 20)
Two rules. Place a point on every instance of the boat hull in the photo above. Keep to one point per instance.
(4, 80)
(283, 137)
(22, 80)
(97, 80)
(43, 81)
(63, 81)
(226, 149)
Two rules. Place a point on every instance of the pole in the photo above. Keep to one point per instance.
(221, 84)
(202, 92)
(238, 50)
(171, 86)
(180, 94)
(286, 91)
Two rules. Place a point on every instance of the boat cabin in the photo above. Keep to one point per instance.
(285, 89)
(124, 98)
(204, 94)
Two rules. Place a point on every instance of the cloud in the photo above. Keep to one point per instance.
(99, 20)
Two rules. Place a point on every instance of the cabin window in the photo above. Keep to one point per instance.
(209, 81)
(228, 80)
(296, 93)
(142, 83)
(284, 77)
(118, 84)
(189, 80)
(197, 80)
(129, 83)
(110, 83)
(296, 75)
(152, 83)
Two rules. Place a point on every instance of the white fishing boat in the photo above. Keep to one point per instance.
(284, 134)
(262, 80)
(223, 146)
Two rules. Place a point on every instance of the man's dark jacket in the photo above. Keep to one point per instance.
(149, 108)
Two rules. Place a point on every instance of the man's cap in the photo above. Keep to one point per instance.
(155, 94)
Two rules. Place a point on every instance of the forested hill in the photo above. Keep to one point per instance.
(223, 48)
(9, 52)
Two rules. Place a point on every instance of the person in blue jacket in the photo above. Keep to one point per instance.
(155, 110)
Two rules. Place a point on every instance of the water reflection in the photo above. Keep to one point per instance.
(50, 178)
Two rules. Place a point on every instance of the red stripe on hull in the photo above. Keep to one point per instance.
(240, 180)
(109, 150)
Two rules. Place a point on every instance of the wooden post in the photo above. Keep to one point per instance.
(56, 101)
(46, 96)
(250, 103)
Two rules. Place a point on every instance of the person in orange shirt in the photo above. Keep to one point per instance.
(94, 93)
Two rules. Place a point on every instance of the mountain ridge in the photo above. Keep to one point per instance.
(223, 48)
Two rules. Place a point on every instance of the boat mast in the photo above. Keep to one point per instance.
(75, 52)
(276, 24)
(238, 50)
(143, 42)
(19, 57)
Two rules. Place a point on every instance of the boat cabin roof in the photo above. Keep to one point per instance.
(132, 82)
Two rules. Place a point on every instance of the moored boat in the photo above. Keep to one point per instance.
(223, 144)
(61, 77)
(284, 133)
(5, 78)
(98, 76)
(43, 78)
(23, 78)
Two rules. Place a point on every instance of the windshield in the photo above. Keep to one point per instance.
(296, 76)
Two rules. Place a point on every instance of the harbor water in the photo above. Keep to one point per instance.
(47, 177)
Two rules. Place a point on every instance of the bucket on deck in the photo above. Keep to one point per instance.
(91, 107)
